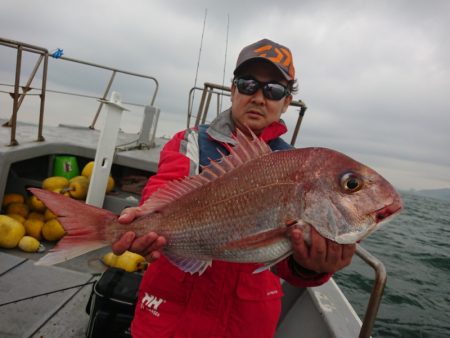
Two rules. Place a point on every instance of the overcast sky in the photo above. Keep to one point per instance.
(375, 75)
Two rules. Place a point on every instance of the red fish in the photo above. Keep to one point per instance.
(239, 208)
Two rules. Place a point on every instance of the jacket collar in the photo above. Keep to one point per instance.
(222, 128)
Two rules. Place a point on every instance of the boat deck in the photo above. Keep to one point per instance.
(33, 308)
(31, 312)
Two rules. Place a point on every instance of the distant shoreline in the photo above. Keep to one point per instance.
(443, 193)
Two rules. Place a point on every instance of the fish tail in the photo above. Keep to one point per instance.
(84, 224)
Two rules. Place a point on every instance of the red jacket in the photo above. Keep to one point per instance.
(227, 300)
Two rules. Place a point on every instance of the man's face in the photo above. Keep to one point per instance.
(256, 111)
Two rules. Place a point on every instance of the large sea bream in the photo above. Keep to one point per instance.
(239, 208)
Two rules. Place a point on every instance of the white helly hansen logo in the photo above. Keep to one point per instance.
(151, 303)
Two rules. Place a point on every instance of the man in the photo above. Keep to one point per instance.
(227, 300)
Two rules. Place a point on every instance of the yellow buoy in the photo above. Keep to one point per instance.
(30, 244)
(33, 227)
(48, 215)
(35, 215)
(62, 191)
(110, 185)
(11, 232)
(12, 198)
(55, 182)
(78, 187)
(18, 208)
(18, 217)
(87, 170)
(110, 259)
(36, 204)
(81, 177)
(128, 261)
(53, 230)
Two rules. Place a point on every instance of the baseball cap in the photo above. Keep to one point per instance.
(265, 49)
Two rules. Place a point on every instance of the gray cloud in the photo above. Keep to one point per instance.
(375, 75)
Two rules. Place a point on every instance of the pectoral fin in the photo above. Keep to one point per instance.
(190, 265)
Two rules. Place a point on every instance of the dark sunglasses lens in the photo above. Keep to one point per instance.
(274, 91)
(247, 86)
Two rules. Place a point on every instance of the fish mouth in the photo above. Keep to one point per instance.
(387, 211)
(380, 215)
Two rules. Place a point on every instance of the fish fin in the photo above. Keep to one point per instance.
(300, 224)
(84, 225)
(268, 265)
(247, 149)
(191, 265)
(67, 249)
(244, 151)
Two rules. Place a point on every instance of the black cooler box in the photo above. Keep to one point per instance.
(111, 304)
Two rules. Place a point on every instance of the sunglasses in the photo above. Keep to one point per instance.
(271, 90)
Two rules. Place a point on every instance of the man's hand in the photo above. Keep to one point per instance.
(148, 245)
(322, 255)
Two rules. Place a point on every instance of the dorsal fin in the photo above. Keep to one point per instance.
(245, 151)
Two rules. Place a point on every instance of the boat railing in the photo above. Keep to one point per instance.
(219, 91)
(44, 54)
(377, 290)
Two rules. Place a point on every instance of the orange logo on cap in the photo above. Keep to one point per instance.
(278, 57)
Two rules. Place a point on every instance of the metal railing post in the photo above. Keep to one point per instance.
(40, 137)
(218, 104)
(301, 113)
(26, 88)
(200, 107)
(206, 108)
(377, 290)
(189, 113)
(108, 87)
(13, 140)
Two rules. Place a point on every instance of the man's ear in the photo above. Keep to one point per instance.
(286, 103)
(233, 90)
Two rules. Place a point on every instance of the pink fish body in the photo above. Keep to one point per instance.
(239, 209)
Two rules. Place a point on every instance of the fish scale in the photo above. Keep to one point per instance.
(253, 212)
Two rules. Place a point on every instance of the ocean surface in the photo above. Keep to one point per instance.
(415, 249)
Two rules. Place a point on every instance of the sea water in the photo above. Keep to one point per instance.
(415, 249)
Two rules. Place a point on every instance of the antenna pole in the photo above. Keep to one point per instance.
(198, 61)
(225, 60)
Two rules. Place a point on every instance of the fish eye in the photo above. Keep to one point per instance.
(351, 182)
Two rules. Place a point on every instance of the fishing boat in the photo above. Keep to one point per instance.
(41, 301)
